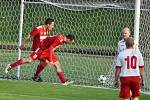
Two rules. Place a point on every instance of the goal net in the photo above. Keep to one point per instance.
(97, 25)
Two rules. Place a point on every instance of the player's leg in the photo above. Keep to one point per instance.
(125, 88)
(32, 57)
(38, 71)
(60, 74)
(135, 88)
(42, 57)
(131, 95)
(56, 63)
(17, 63)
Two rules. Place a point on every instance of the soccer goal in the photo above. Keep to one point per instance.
(97, 25)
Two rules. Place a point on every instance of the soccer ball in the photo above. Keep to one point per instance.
(102, 79)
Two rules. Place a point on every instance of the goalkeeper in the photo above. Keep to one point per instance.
(46, 54)
(121, 44)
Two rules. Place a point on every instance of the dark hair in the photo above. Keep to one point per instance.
(49, 21)
(70, 36)
(129, 42)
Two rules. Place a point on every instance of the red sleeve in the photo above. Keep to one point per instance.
(52, 48)
(58, 41)
(141, 66)
(34, 32)
(118, 67)
(51, 52)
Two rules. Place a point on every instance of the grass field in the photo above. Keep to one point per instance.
(97, 29)
(28, 90)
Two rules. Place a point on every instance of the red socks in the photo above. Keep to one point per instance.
(39, 69)
(61, 76)
(19, 62)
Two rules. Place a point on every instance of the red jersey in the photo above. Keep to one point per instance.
(38, 33)
(47, 47)
(52, 42)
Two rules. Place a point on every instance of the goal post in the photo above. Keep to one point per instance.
(137, 21)
(97, 25)
(20, 34)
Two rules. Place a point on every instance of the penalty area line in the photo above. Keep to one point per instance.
(32, 96)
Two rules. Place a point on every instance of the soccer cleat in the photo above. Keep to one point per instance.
(130, 97)
(40, 79)
(67, 83)
(37, 79)
(8, 68)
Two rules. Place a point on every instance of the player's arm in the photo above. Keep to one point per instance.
(118, 49)
(24, 41)
(51, 52)
(117, 71)
(142, 76)
(32, 33)
(52, 48)
(141, 68)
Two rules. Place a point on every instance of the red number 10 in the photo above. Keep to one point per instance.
(131, 62)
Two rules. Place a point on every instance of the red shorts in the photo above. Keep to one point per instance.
(129, 83)
(35, 54)
(45, 56)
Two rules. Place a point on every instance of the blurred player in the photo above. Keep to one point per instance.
(130, 69)
(46, 54)
(38, 34)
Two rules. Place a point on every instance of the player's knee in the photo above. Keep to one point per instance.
(58, 69)
(57, 64)
(43, 63)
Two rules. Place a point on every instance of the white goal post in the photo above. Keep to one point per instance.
(97, 25)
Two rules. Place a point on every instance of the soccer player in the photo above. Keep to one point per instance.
(38, 34)
(130, 69)
(121, 44)
(46, 54)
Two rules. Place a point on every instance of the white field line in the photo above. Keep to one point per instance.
(32, 96)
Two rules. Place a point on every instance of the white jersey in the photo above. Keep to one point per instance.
(130, 60)
(122, 46)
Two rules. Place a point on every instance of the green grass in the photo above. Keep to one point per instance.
(27, 90)
(97, 29)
